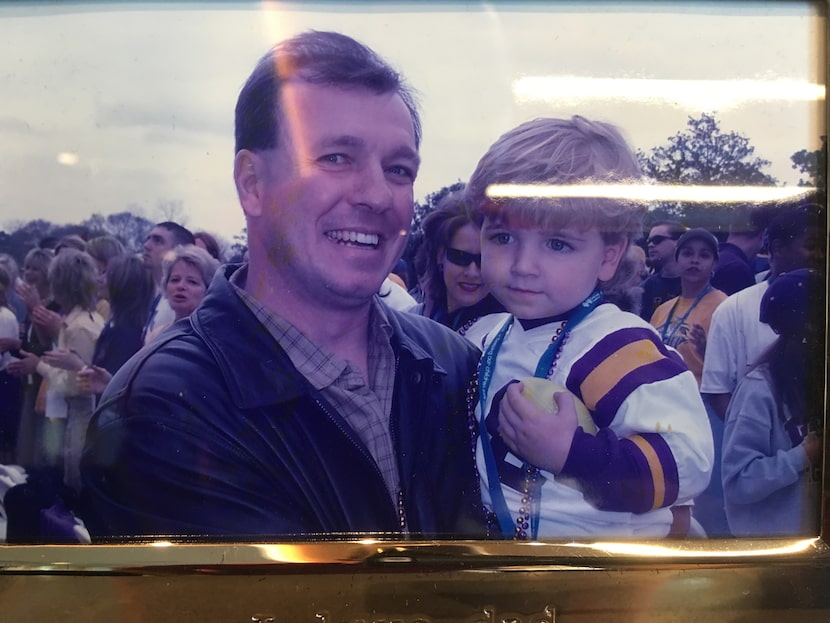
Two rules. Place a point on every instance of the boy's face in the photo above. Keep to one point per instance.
(536, 273)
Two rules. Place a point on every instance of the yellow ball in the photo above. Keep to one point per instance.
(541, 392)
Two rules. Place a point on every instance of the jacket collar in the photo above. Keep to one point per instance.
(255, 368)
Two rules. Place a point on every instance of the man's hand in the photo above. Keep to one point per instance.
(536, 436)
(63, 359)
(23, 366)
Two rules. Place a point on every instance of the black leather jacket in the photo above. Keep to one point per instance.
(212, 431)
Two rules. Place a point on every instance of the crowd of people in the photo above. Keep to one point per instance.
(77, 313)
(305, 393)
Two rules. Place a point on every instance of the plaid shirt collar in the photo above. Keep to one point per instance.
(320, 367)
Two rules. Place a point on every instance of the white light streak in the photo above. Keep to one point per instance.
(696, 94)
(650, 192)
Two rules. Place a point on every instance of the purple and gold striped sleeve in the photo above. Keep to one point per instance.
(634, 474)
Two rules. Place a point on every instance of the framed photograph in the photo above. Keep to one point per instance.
(119, 118)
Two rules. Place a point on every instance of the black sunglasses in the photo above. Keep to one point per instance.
(655, 240)
(462, 258)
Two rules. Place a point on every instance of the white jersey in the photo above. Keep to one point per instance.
(653, 449)
(484, 327)
(737, 338)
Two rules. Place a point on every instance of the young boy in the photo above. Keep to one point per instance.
(547, 260)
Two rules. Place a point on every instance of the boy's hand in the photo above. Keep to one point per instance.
(536, 436)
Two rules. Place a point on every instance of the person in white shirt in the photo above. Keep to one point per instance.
(736, 336)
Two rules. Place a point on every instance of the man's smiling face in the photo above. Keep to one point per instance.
(337, 191)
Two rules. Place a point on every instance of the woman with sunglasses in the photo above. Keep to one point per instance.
(450, 255)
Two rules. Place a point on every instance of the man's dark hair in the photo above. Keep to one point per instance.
(181, 235)
(676, 229)
(325, 58)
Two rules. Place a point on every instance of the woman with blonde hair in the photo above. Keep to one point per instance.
(73, 277)
(187, 272)
(36, 339)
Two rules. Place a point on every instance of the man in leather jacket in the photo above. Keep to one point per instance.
(293, 402)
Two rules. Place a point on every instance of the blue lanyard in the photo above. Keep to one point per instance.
(664, 334)
(488, 365)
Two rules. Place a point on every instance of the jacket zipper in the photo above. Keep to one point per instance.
(363, 451)
(400, 506)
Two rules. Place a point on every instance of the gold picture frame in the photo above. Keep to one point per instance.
(734, 579)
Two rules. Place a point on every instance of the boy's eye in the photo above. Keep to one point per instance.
(558, 245)
(501, 238)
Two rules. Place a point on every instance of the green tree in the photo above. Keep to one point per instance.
(813, 165)
(238, 247)
(428, 204)
(703, 155)
(130, 227)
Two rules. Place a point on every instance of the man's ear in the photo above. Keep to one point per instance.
(248, 174)
(611, 259)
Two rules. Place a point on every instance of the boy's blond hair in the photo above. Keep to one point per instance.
(560, 152)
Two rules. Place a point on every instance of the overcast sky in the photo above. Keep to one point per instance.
(106, 105)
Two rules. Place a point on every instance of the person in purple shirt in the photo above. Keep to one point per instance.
(735, 270)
